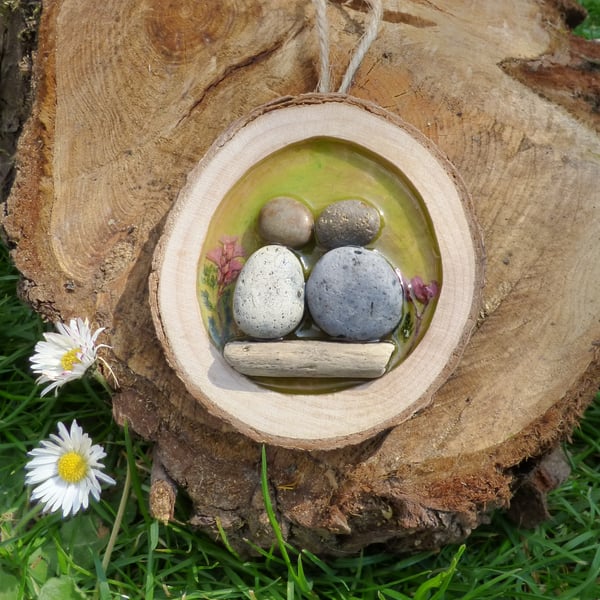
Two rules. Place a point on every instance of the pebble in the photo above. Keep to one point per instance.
(347, 223)
(268, 301)
(285, 221)
(354, 294)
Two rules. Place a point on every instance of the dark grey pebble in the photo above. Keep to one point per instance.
(347, 223)
(354, 294)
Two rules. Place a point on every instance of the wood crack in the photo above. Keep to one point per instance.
(389, 16)
(568, 77)
(234, 68)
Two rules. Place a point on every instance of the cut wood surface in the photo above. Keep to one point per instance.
(129, 97)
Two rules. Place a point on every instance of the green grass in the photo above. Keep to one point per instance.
(590, 28)
(52, 558)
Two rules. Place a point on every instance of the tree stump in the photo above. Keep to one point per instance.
(130, 96)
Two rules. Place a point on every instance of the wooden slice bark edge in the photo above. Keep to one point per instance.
(316, 421)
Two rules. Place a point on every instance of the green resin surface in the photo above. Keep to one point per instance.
(317, 172)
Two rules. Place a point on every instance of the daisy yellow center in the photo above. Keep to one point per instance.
(69, 359)
(72, 467)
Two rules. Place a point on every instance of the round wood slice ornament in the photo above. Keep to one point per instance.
(306, 386)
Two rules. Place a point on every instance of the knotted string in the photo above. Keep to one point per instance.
(363, 47)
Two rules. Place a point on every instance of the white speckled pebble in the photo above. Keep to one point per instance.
(268, 301)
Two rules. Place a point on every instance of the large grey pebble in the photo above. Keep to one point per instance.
(268, 301)
(286, 221)
(354, 294)
(347, 223)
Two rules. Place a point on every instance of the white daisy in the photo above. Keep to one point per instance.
(66, 470)
(65, 355)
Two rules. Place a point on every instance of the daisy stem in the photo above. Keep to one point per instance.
(118, 520)
(102, 380)
(27, 518)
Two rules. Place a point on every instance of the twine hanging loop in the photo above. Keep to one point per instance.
(366, 40)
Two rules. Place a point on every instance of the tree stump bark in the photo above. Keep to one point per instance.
(18, 28)
(128, 98)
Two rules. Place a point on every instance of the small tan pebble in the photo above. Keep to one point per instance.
(285, 221)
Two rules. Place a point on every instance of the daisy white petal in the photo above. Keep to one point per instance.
(40, 473)
(66, 355)
(65, 470)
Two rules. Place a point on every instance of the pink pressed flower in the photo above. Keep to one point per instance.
(231, 246)
(424, 292)
(215, 256)
(227, 259)
(229, 272)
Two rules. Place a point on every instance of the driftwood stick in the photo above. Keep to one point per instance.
(309, 358)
